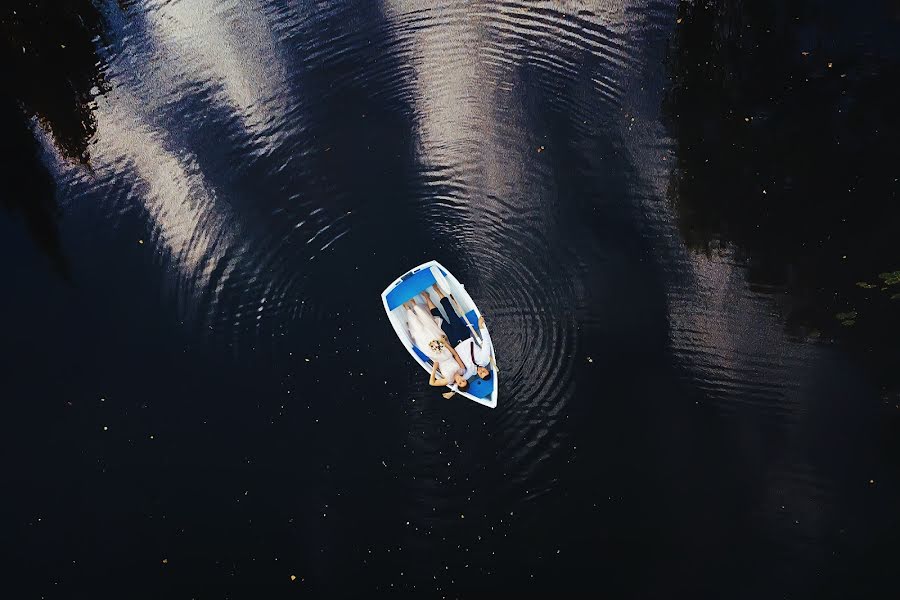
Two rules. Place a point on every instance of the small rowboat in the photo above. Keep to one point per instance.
(420, 279)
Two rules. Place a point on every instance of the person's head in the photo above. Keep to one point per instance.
(461, 382)
(437, 346)
(483, 372)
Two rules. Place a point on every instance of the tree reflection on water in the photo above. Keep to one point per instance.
(52, 70)
(785, 120)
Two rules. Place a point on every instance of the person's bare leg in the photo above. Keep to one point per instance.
(440, 293)
(428, 301)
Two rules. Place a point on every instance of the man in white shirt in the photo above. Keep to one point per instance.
(475, 360)
(452, 371)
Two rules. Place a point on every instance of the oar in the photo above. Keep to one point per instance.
(493, 362)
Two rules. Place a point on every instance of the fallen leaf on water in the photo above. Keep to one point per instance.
(805, 53)
(293, 578)
(679, 20)
(165, 561)
(892, 278)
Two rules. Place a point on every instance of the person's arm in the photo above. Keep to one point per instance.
(433, 380)
(456, 357)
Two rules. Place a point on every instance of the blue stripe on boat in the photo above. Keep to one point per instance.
(472, 318)
(410, 287)
(421, 355)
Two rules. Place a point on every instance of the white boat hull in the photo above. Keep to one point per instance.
(408, 286)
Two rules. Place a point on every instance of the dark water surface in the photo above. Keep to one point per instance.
(204, 397)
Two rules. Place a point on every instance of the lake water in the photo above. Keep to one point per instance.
(205, 398)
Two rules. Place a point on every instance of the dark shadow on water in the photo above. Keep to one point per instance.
(30, 190)
(50, 64)
(785, 121)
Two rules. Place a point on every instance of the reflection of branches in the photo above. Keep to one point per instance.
(50, 63)
(50, 60)
(782, 114)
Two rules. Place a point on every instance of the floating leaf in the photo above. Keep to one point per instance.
(865, 286)
(848, 323)
(892, 278)
(846, 316)
(895, 297)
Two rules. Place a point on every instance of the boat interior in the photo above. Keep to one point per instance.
(411, 285)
